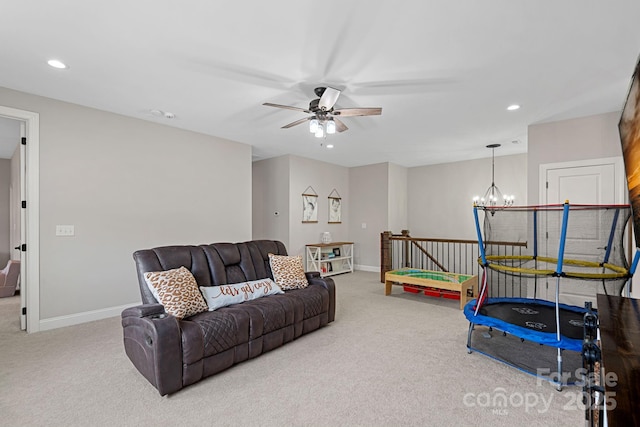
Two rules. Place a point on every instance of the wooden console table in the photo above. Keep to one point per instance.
(619, 320)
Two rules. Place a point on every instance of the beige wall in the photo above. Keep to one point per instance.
(270, 195)
(125, 184)
(324, 178)
(278, 186)
(398, 197)
(369, 188)
(440, 196)
(371, 195)
(5, 212)
(128, 184)
(584, 138)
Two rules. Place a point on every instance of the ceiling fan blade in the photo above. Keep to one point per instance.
(297, 122)
(288, 107)
(340, 126)
(350, 112)
(328, 98)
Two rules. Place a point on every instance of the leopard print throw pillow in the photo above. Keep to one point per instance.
(288, 272)
(177, 291)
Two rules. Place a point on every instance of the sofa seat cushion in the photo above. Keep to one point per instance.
(270, 314)
(213, 332)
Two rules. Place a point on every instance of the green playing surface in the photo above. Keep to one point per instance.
(432, 275)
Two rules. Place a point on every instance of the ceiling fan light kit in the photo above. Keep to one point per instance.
(324, 118)
(313, 125)
(331, 127)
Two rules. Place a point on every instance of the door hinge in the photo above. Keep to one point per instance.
(23, 248)
(24, 141)
(24, 311)
(24, 204)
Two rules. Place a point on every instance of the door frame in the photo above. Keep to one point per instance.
(30, 274)
(620, 196)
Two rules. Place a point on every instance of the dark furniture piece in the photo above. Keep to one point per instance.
(173, 353)
(620, 341)
(9, 278)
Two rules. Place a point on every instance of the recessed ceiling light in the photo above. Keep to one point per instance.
(513, 107)
(57, 64)
(329, 145)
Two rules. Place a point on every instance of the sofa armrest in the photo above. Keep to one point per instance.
(330, 285)
(153, 343)
(312, 274)
(144, 310)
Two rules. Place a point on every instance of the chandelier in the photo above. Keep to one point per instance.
(493, 196)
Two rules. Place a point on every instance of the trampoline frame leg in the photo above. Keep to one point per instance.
(558, 333)
(471, 325)
(559, 382)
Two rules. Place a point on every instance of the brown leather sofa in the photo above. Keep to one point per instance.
(173, 353)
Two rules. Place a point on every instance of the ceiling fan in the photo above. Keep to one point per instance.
(324, 118)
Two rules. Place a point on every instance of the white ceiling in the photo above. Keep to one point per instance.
(443, 71)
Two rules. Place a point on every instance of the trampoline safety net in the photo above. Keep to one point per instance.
(593, 247)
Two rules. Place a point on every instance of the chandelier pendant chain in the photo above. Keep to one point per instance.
(493, 193)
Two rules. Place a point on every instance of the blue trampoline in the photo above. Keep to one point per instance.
(531, 319)
(596, 233)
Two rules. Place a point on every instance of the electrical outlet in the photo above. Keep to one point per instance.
(65, 230)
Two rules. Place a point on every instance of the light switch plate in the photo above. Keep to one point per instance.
(65, 230)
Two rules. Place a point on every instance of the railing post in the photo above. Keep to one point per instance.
(385, 254)
(405, 255)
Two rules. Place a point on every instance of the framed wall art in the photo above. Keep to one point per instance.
(335, 208)
(309, 206)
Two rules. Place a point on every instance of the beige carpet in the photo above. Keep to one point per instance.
(395, 360)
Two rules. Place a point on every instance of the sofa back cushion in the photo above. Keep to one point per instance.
(230, 263)
(211, 264)
(260, 250)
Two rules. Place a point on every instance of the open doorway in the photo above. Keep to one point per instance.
(26, 217)
(10, 216)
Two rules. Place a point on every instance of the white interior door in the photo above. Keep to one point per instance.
(599, 181)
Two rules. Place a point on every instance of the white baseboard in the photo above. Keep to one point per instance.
(370, 268)
(87, 316)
